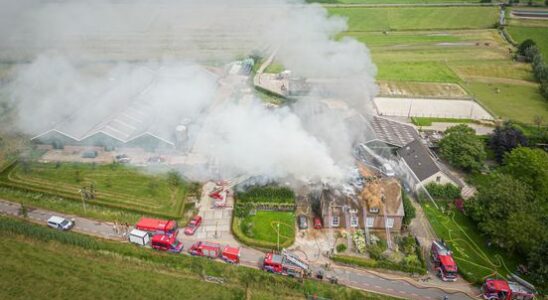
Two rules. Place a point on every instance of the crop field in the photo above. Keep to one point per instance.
(475, 260)
(68, 265)
(518, 102)
(117, 187)
(416, 18)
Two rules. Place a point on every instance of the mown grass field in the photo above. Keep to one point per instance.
(118, 187)
(509, 101)
(475, 260)
(38, 262)
(416, 18)
(451, 45)
(390, 1)
(264, 226)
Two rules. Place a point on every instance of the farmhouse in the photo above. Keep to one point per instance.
(378, 207)
(424, 169)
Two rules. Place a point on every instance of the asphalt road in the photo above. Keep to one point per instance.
(356, 278)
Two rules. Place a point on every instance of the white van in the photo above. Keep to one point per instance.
(60, 223)
(139, 237)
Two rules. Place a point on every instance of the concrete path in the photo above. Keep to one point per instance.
(394, 285)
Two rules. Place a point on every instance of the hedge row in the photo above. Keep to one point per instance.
(377, 264)
(264, 194)
(241, 237)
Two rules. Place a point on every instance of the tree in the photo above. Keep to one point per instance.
(174, 178)
(495, 202)
(525, 45)
(462, 148)
(544, 89)
(408, 210)
(529, 166)
(531, 52)
(504, 139)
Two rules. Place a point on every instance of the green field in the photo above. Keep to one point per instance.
(390, 1)
(263, 226)
(474, 259)
(118, 187)
(517, 102)
(38, 262)
(538, 34)
(416, 18)
(425, 121)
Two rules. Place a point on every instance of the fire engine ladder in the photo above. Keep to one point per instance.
(293, 259)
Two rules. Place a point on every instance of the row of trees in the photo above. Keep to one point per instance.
(511, 209)
(530, 50)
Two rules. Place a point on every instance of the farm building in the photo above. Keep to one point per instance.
(419, 161)
(390, 134)
(130, 126)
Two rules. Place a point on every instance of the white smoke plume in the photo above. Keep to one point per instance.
(104, 54)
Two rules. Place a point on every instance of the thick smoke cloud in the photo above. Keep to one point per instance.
(102, 54)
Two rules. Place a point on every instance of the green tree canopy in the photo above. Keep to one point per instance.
(530, 166)
(462, 148)
(524, 45)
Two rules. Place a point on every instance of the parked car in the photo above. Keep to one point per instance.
(194, 223)
(123, 159)
(302, 221)
(89, 154)
(317, 223)
(156, 160)
(388, 170)
(60, 223)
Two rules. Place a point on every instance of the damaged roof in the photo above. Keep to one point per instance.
(384, 194)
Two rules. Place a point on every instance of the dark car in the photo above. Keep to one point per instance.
(302, 221)
(89, 154)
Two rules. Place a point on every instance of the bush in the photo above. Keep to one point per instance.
(341, 248)
(265, 194)
(408, 209)
(443, 192)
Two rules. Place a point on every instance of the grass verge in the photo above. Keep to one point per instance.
(377, 264)
(424, 121)
(71, 265)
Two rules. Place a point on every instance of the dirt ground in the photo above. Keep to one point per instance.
(424, 89)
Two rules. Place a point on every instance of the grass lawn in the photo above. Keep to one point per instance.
(117, 186)
(517, 102)
(474, 259)
(274, 67)
(492, 69)
(38, 262)
(416, 18)
(263, 226)
(425, 121)
(537, 34)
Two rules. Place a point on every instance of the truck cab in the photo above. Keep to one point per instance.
(499, 289)
(444, 263)
(165, 242)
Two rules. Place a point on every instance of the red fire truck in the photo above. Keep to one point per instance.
(214, 250)
(286, 264)
(165, 242)
(157, 226)
(444, 264)
(498, 289)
